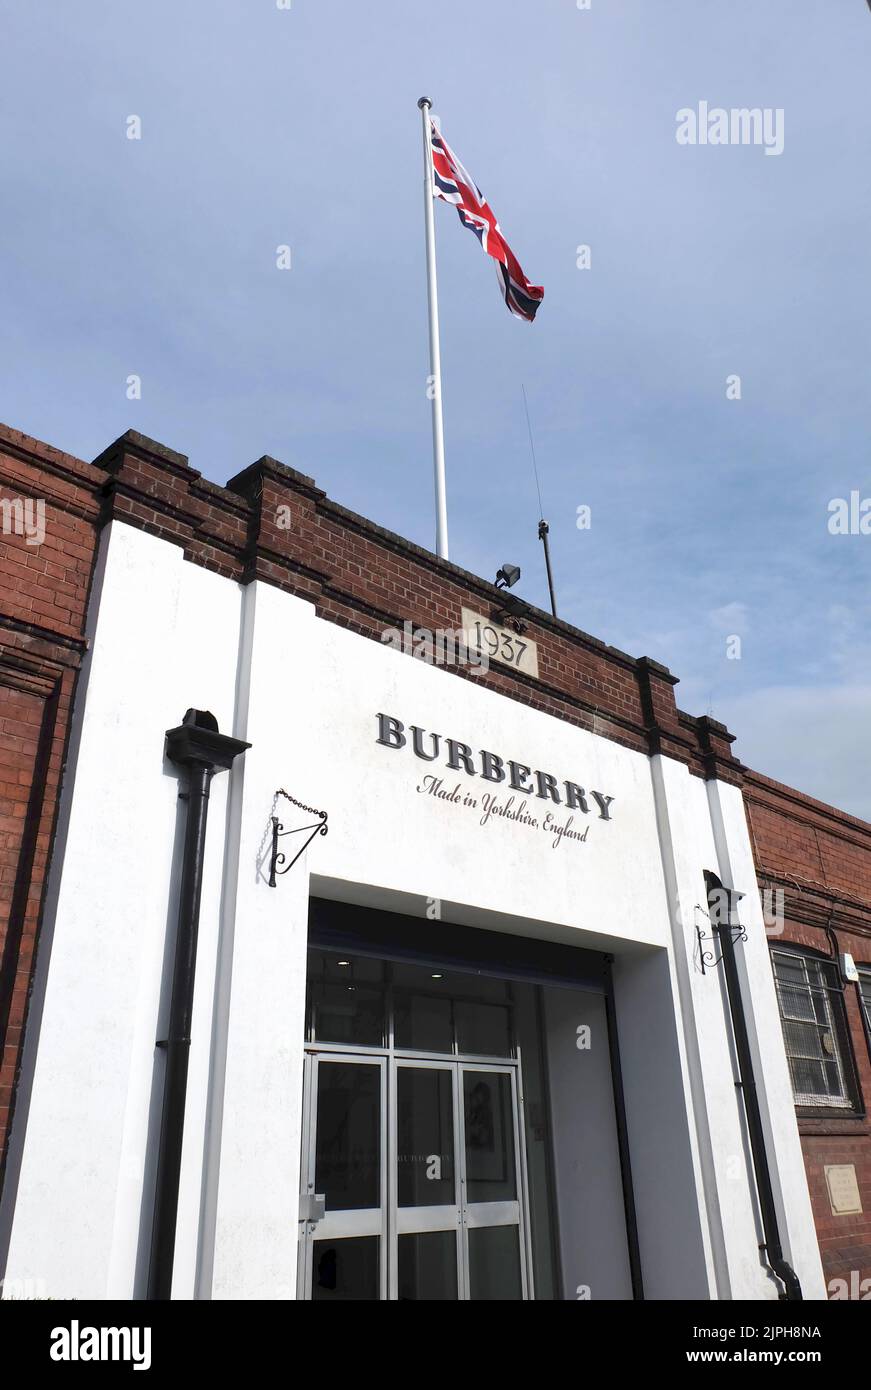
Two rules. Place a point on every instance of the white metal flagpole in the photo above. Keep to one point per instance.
(435, 361)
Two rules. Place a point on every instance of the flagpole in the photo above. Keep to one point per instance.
(435, 362)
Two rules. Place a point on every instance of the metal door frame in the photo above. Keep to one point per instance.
(361, 1221)
(462, 1215)
(474, 1212)
(447, 1217)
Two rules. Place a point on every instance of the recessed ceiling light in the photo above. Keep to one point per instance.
(343, 962)
(437, 977)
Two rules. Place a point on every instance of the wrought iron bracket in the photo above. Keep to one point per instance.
(708, 957)
(278, 857)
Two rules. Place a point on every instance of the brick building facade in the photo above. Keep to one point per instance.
(271, 523)
(46, 562)
(814, 864)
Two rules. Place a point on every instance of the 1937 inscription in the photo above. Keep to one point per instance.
(497, 643)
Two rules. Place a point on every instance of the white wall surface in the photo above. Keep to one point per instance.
(791, 1196)
(721, 1151)
(592, 1220)
(323, 729)
(257, 1132)
(306, 694)
(166, 639)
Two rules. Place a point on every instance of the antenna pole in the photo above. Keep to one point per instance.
(543, 530)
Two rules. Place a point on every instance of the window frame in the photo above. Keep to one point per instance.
(865, 1000)
(825, 995)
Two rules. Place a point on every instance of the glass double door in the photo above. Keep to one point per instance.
(412, 1180)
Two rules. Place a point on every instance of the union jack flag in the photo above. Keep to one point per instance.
(454, 184)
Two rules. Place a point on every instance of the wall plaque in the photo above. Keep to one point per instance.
(499, 643)
(843, 1188)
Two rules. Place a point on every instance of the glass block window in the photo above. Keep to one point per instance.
(814, 1031)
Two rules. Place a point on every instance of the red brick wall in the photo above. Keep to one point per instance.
(44, 593)
(820, 859)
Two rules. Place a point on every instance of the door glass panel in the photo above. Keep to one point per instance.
(344, 1270)
(347, 995)
(348, 1014)
(483, 1028)
(494, 1263)
(490, 1170)
(348, 1142)
(428, 1266)
(425, 1136)
(422, 1022)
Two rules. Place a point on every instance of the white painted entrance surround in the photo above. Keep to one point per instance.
(166, 635)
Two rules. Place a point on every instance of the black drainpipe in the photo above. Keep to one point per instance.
(717, 896)
(632, 1242)
(197, 746)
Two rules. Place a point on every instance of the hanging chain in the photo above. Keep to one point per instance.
(301, 804)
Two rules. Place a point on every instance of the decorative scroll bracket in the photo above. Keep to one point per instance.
(739, 933)
(277, 857)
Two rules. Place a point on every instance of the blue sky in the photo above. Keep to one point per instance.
(263, 127)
